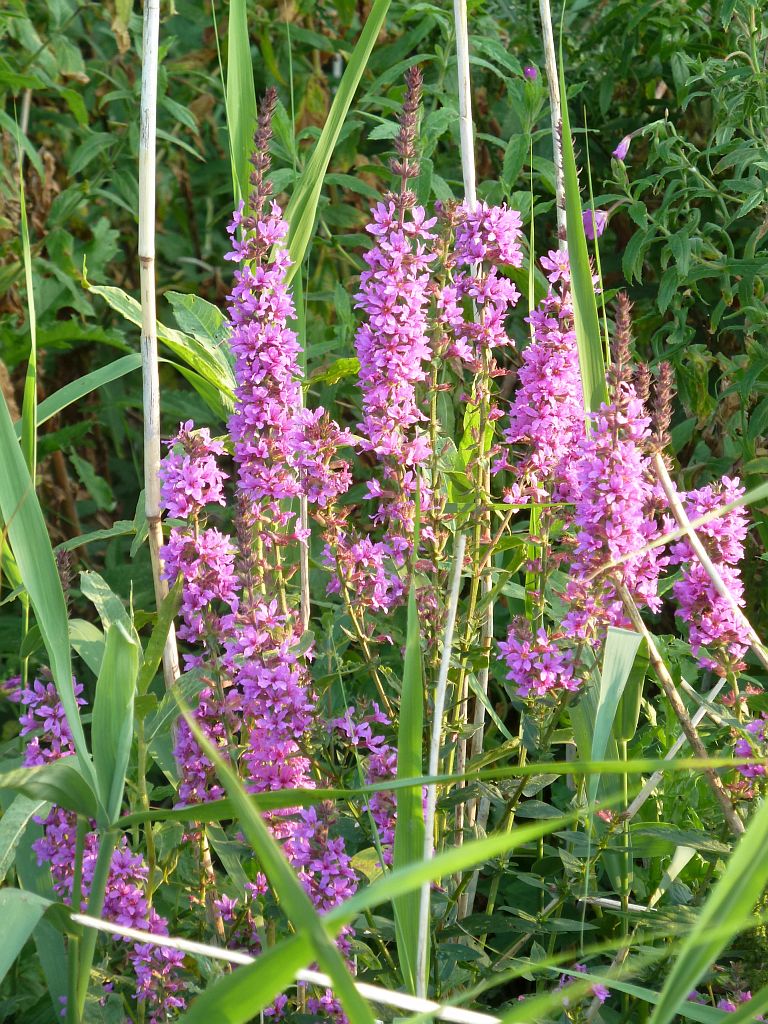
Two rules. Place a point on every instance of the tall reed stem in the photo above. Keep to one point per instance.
(555, 109)
(434, 760)
(149, 365)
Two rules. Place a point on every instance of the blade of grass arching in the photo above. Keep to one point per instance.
(723, 915)
(83, 386)
(240, 99)
(240, 996)
(21, 912)
(29, 404)
(301, 210)
(586, 323)
(288, 889)
(409, 827)
(31, 546)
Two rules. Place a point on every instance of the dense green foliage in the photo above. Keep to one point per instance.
(686, 237)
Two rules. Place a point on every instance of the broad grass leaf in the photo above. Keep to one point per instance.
(409, 827)
(586, 322)
(240, 996)
(112, 729)
(724, 914)
(58, 783)
(20, 912)
(240, 98)
(302, 208)
(13, 824)
(619, 653)
(153, 654)
(34, 557)
(83, 386)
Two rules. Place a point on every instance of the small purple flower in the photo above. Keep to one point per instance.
(536, 664)
(531, 73)
(594, 223)
(622, 149)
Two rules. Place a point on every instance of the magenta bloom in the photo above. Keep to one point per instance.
(546, 420)
(594, 223)
(713, 625)
(531, 73)
(191, 478)
(622, 149)
(537, 666)
(743, 747)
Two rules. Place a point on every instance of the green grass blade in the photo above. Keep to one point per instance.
(58, 782)
(83, 386)
(618, 658)
(240, 98)
(409, 828)
(301, 210)
(239, 997)
(13, 824)
(112, 729)
(293, 899)
(32, 550)
(29, 403)
(586, 322)
(21, 912)
(726, 909)
(153, 655)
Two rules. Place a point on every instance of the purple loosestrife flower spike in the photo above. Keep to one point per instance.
(718, 638)
(546, 419)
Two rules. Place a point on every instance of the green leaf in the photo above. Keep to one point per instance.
(29, 404)
(13, 825)
(239, 997)
(96, 485)
(240, 99)
(20, 913)
(154, 652)
(200, 318)
(302, 208)
(113, 716)
(204, 358)
(57, 783)
(32, 550)
(409, 827)
(88, 641)
(724, 914)
(109, 606)
(83, 386)
(618, 658)
(586, 322)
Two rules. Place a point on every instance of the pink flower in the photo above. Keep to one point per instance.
(622, 149)
(594, 223)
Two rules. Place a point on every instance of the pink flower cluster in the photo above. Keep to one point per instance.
(537, 664)
(125, 901)
(718, 636)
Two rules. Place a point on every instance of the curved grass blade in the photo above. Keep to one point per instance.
(586, 322)
(83, 386)
(21, 912)
(301, 210)
(287, 887)
(13, 824)
(32, 550)
(724, 914)
(29, 403)
(242, 995)
(58, 783)
(619, 653)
